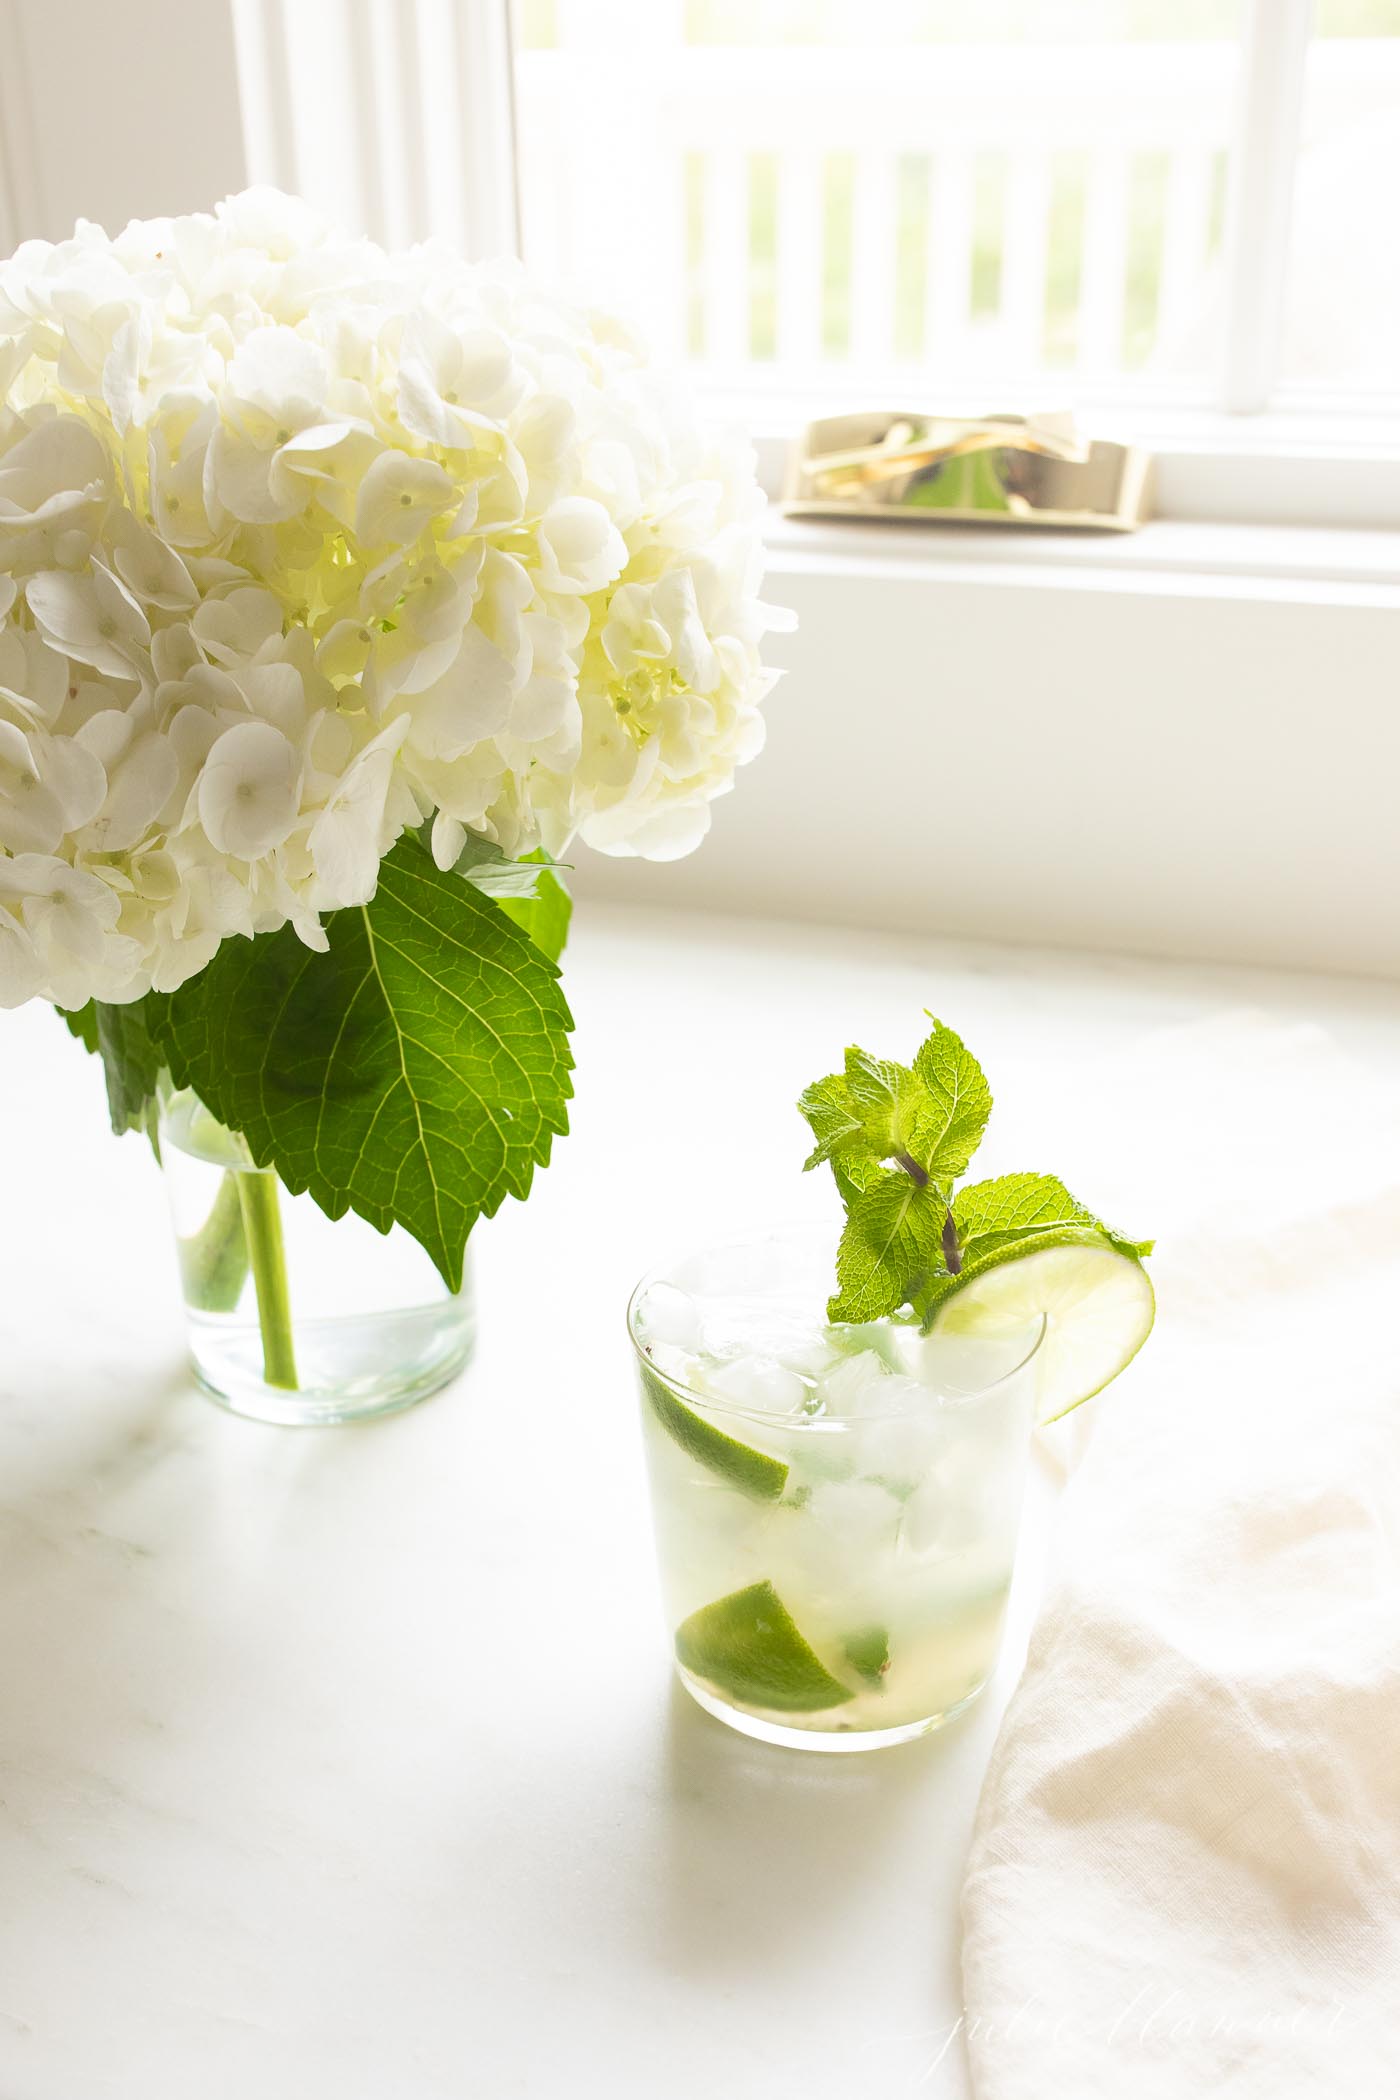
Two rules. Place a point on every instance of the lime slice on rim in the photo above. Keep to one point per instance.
(748, 1646)
(1098, 1309)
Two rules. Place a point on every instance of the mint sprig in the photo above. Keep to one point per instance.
(897, 1137)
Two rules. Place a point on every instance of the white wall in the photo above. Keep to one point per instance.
(1166, 763)
(98, 119)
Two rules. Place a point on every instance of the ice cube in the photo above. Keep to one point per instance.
(682, 1365)
(854, 1387)
(961, 1364)
(941, 1524)
(669, 1315)
(837, 1550)
(738, 1326)
(807, 1349)
(927, 1516)
(715, 1541)
(904, 1444)
(760, 1383)
(857, 1516)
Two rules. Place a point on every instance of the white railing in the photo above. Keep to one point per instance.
(642, 163)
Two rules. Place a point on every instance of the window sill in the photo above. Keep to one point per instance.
(1332, 564)
(1310, 471)
(1182, 741)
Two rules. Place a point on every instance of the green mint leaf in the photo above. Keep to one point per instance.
(417, 1072)
(952, 1114)
(1014, 1215)
(835, 1121)
(930, 1117)
(890, 1245)
(1015, 1205)
(886, 1097)
(852, 1174)
(897, 1138)
(544, 916)
(867, 1111)
(868, 1654)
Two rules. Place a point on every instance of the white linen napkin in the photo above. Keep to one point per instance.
(1185, 1873)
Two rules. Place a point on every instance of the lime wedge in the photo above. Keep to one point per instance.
(748, 1647)
(1097, 1305)
(755, 1472)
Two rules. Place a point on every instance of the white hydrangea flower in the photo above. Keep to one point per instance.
(302, 543)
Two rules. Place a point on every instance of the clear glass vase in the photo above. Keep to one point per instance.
(836, 1508)
(295, 1317)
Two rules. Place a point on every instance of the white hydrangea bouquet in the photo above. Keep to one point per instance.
(339, 592)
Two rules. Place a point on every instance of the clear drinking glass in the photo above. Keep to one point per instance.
(836, 1508)
(295, 1317)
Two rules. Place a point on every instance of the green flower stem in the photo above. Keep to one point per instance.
(262, 1229)
(214, 1260)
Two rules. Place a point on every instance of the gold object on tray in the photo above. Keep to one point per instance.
(984, 470)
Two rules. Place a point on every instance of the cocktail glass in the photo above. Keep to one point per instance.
(836, 1507)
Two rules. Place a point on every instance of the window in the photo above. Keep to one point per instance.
(1341, 328)
(1170, 209)
(1171, 214)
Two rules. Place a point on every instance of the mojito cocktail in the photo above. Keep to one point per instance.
(837, 1473)
(836, 1505)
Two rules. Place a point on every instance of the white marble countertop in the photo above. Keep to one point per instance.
(337, 1765)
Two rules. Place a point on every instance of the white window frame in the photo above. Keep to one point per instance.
(1253, 457)
(1269, 129)
(431, 142)
(1190, 731)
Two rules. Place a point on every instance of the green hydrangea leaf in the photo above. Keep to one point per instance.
(82, 1024)
(417, 1072)
(482, 863)
(131, 1059)
(529, 891)
(545, 915)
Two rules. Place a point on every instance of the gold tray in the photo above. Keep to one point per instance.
(982, 470)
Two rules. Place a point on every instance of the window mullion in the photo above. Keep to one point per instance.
(1268, 132)
(421, 140)
(486, 101)
(265, 93)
